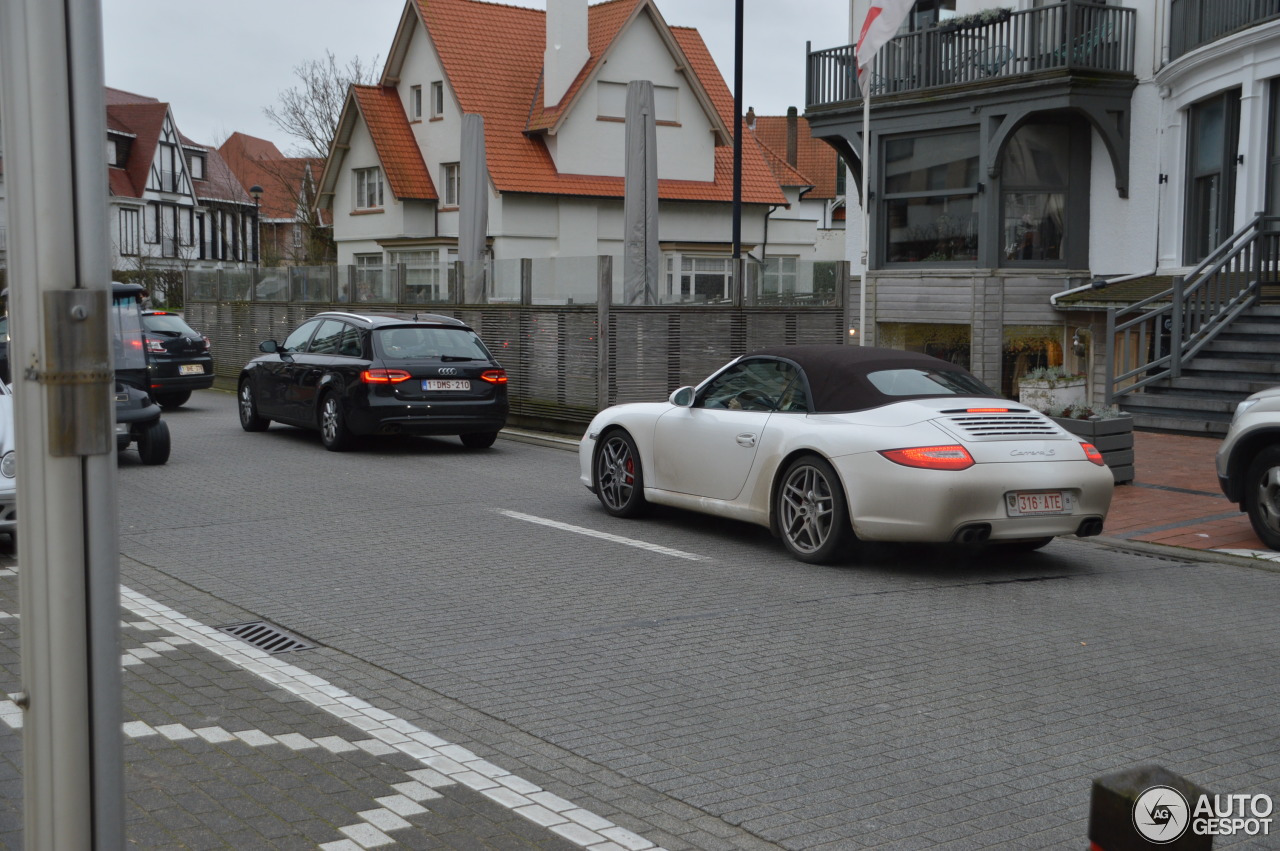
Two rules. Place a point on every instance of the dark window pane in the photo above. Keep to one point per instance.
(932, 229)
(943, 161)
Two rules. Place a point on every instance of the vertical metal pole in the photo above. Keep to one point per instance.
(737, 130)
(1109, 346)
(1175, 328)
(51, 93)
(604, 303)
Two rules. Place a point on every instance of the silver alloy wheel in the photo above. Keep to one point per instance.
(246, 403)
(807, 508)
(329, 425)
(1268, 512)
(615, 473)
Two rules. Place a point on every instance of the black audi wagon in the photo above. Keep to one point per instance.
(353, 374)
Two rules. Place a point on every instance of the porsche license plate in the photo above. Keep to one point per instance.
(1029, 503)
(446, 384)
(191, 369)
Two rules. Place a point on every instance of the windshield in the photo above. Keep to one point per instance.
(126, 331)
(411, 343)
(927, 382)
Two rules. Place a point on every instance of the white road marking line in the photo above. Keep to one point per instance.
(451, 762)
(592, 533)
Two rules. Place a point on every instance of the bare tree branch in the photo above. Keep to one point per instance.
(309, 113)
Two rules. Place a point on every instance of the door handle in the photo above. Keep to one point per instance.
(746, 439)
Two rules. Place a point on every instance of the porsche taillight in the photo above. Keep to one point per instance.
(1091, 452)
(384, 376)
(952, 457)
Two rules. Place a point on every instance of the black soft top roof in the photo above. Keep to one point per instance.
(838, 374)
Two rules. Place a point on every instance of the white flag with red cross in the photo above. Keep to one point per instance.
(881, 24)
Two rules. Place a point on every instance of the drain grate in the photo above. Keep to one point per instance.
(267, 637)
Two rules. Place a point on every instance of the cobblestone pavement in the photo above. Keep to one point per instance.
(498, 664)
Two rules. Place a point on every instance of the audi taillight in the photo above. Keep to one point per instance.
(384, 376)
(1091, 452)
(494, 376)
(953, 457)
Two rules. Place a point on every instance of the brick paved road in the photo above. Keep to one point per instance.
(739, 700)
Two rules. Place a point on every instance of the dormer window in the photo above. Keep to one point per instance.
(197, 167)
(113, 155)
(449, 175)
(368, 188)
(437, 99)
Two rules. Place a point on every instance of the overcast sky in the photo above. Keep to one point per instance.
(220, 65)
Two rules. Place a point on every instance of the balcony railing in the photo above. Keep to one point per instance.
(1193, 23)
(1073, 35)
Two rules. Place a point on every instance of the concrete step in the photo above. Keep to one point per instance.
(1252, 348)
(1216, 385)
(1173, 422)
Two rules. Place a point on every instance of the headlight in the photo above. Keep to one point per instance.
(9, 465)
(1242, 407)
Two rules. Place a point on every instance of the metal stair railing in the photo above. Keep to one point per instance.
(1152, 338)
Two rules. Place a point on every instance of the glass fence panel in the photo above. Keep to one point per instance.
(236, 284)
(202, 285)
(272, 285)
(311, 283)
(565, 280)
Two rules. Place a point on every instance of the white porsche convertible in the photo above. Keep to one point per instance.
(826, 445)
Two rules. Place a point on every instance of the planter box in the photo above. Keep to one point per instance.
(1045, 395)
(1114, 439)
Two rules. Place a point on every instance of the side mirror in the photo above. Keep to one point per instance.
(683, 397)
(269, 346)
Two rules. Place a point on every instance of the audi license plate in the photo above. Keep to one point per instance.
(1030, 503)
(446, 384)
(191, 369)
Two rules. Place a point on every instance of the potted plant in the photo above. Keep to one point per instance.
(1109, 429)
(984, 18)
(1050, 387)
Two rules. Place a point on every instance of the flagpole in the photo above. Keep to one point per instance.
(866, 215)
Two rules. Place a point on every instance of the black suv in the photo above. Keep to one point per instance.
(178, 357)
(349, 374)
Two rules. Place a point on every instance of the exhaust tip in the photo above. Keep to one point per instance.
(974, 533)
(1089, 528)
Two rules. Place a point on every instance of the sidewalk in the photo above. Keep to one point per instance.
(1175, 499)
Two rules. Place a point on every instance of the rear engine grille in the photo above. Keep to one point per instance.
(1000, 426)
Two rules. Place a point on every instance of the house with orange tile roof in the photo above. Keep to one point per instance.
(819, 166)
(551, 88)
(173, 204)
(292, 232)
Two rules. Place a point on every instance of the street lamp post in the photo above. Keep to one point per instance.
(256, 192)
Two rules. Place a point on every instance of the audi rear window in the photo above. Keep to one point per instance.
(414, 343)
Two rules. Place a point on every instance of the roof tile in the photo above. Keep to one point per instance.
(395, 143)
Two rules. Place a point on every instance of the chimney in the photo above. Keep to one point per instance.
(792, 131)
(566, 51)
(750, 118)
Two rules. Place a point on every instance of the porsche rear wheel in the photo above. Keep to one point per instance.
(813, 517)
(617, 476)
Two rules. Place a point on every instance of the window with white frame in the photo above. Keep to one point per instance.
(370, 277)
(779, 275)
(437, 99)
(449, 180)
(197, 167)
(129, 221)
(368, 188)
(415, 102)
(426, 273)
(692, 277)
